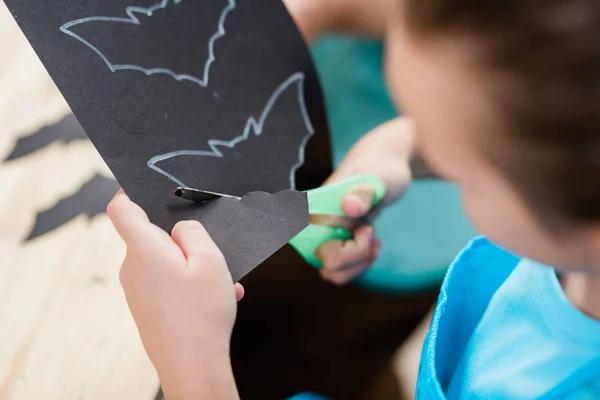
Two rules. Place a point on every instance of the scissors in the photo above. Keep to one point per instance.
(327, 219)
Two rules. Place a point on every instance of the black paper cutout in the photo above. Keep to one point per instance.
(137, 102)
(90, 200)
(66, 131)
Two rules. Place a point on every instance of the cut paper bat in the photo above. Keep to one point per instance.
(90, 200)
(65, 131)
(219, 95)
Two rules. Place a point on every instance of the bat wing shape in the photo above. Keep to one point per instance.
(266, 159)
(90, 200)
(65, 131)
(167, 21)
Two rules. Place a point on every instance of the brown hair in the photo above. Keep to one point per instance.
(548, 54)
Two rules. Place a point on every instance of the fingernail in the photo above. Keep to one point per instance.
(192, 223)
(119, 193)
(188, 224)
(364, 195)
(366, 200)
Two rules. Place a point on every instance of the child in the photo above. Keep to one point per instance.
(505, 99)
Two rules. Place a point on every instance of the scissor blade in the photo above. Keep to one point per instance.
(199, 196)
(345, 222)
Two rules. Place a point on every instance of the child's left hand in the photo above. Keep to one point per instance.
(182, 299)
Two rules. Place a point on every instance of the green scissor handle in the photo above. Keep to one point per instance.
(327, 200)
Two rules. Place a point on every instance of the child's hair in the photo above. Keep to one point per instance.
(546, 54)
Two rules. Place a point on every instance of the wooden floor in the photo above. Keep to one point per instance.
(65, 330)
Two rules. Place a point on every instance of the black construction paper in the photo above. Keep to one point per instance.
(90, 200)
(65, 131)
(220, 95)
(259, 224)
(266, 148)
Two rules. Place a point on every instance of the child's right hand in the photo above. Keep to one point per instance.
(385, 152)
(182, 299)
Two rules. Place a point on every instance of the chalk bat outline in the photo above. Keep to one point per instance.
(252, 125)
(148, 11)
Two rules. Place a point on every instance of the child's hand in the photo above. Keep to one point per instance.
(182, 299)
(385, 152)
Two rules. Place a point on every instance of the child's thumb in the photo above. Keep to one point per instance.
(358, 201)
(196, 243)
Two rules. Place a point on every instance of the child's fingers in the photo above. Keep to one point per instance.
(345, 274)
(358, 201)
(239, 291)
(336, 254)
(196, 243)
(131, 222)
(341, 278)
(129, 219)
(119, 192)
(329, 254)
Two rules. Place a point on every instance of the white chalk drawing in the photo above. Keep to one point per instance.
(252, 125)
(131, 12)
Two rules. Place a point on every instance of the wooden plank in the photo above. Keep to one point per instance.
(66, 332)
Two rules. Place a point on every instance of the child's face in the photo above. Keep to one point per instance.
(437, 88)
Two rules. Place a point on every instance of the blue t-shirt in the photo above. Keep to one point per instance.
(503, 329)
(530, 337)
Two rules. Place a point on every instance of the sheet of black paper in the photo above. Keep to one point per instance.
(220, 95)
